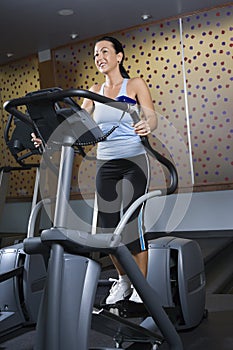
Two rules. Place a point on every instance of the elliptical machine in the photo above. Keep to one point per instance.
(67, 313)
(22, 276)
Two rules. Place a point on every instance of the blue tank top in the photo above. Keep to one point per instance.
(123, 142)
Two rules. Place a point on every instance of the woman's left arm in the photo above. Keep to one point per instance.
(149, 120)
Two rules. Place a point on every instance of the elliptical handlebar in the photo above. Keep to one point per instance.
(57, 94)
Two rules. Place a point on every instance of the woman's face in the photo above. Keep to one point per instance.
(105, 56)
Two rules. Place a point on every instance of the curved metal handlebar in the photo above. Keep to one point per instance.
(57, 94)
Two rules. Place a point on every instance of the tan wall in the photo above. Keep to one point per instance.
(200, 145)
(17, 79)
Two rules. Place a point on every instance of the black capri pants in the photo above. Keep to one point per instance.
(119, 182)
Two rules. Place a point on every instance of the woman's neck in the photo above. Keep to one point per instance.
(113, 80)
(112, 85)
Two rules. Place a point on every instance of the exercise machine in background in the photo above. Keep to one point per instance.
(22, 277)
(68, 310)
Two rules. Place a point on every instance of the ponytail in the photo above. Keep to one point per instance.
(123, 71)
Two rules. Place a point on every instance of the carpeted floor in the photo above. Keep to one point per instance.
(215, 333)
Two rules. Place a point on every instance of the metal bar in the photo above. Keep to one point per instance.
(150, 298)
(64, 183)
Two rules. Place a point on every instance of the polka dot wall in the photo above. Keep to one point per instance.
(154, 52)
(149, 57)
(17, 79)
(208, 50)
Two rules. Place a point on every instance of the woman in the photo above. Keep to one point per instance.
(122, 165)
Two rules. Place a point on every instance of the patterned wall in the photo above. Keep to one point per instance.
(150, 52)
(17, 79)
(200, 144)
(195, 119)
(208, 40)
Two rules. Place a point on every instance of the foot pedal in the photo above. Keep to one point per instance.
(127, 309)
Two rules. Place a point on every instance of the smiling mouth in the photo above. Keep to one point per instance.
(101, 65)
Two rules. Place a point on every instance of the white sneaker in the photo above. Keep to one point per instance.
(135, 297)
(119, 291)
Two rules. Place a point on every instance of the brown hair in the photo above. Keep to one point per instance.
(118, 48)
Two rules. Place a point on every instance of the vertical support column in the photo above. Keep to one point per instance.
(186, 102)
(64, 183)
(150, 298)
(49, 320)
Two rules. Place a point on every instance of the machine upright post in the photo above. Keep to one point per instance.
(148, 294)
(53, 291)
(64, 183)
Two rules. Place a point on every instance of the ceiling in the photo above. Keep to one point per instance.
(30, 26)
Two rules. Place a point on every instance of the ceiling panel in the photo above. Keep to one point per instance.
(30, 26)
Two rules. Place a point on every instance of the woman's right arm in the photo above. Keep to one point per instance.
(87, 104)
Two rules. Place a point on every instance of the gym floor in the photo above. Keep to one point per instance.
(214, 332)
